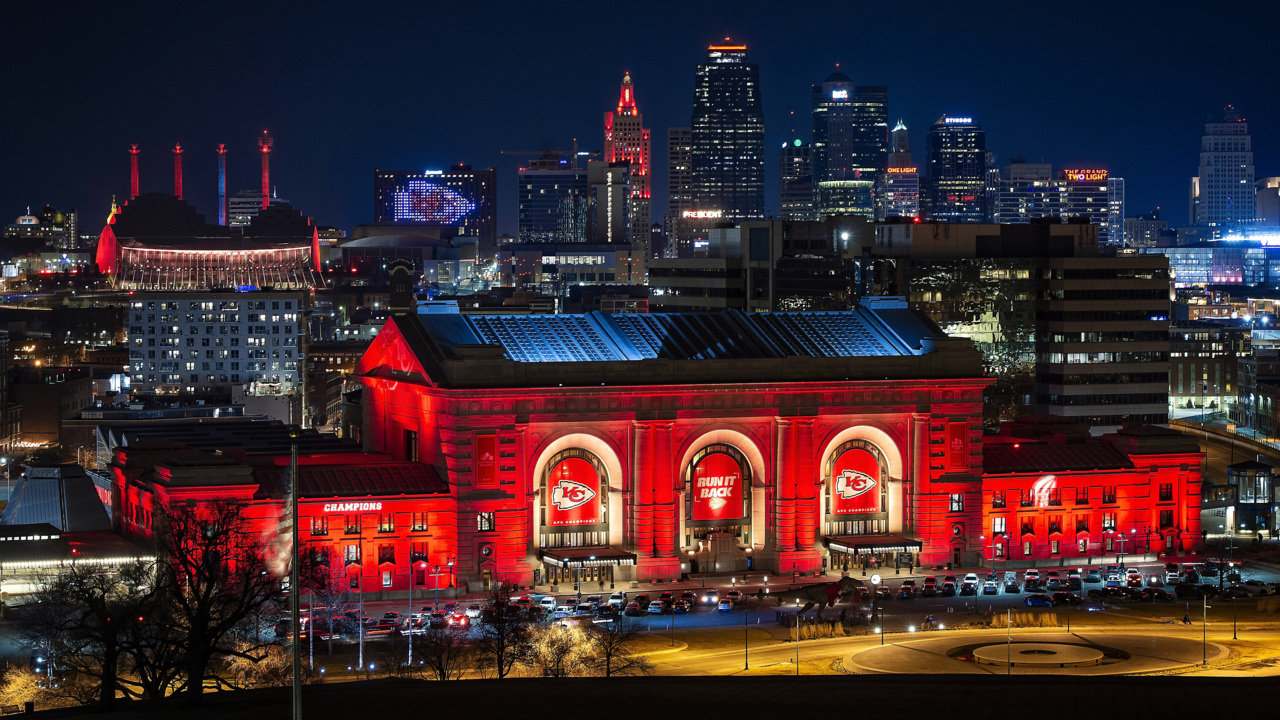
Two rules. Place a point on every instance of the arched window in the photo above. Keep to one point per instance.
(574, 503)
(856, 476)
(717, 494)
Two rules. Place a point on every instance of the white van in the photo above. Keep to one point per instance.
(547, 603)
(618, 600)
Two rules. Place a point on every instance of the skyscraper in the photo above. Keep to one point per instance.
(460, 198)
(727, 135)
(850, 128)
(553, 198)
(627, 140)
(898, 189)
(1222, 193)
(795, 181)
(609, 187)
(957, 163)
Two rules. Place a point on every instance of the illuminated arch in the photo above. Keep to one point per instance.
(889, 454)
(757, 468)
(612, 476)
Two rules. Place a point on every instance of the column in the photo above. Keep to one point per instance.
(642, 491)
(664, 495)
(785, 497)
(805, 478)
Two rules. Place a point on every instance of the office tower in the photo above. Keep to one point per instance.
(1222, 193)
(852, 195)
(850, 127)
(956, 157)
(247, 205)
(553, 200)
(1144, 230)
(727, 135)
(993, 180)
(1268, 201)
(1115, 216)
(627, 140)
(460, 198)
(679, 179)
(795, 180)
(609, 188)
(898, 188)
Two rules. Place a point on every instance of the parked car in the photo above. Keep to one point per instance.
(643, 599)
(689, 596)
(1032, 574)
(1038, 600)
(1106, 595)
(1011, 582)
(1053, 581)
(1152, 594)
(459, 619)
(474, 610)
(929, 590)
(734, 596)
(632, 609)
(439, 620)
(990, 588)
(604, 614)
(948, 589)
(906, 592)
(725, 605)
(883, 592)
(971, 578)
(452, 605)
(1093, 576)
(1189, 591)
(1171, 572)
(680, 607)
(711, 597)
(547, 603)
(969, 589)
(949, 579)
(1065, 598)
(657, 607)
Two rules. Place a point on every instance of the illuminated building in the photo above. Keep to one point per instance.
(1115, 216)
(553, 267)
(898, 187)
(209, 342)
(626, 140)
(1203, 365)
(850, 128)
(727, 135)
(957, 171)
(1222, 193)
(57, 229)
(854, 195)
(158, 242)
(1049, 492)
(1029, 192)
(245, 205)
(553, 201)
(1145, 230)
(1249, 263)
(1268, 199)
(609, 189)
(679, 181)
(460, 198)
(795, 181)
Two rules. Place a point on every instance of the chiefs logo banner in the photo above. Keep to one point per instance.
(856, 483)
(717, 489)
(574, 494)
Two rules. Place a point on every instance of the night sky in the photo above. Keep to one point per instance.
(345, 88)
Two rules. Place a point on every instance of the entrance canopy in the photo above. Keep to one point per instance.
(870, 544)
(587, 557)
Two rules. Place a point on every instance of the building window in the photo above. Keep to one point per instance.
(997, 498)
(1109, 495)
(1054, 547)
(1082, 545)
(484, 522)
(957, 503)
(1055, 524)
(1024, 498)
(419, 552)
(1055, 497)
(1108, 522)
(1082, 524)
(1026, 548)
(411, 445)
(1166, 492)
(386, 554)
(999, 550)
(351, 553)
(1082, 496)
(320, 525)
(351, 526)
(1111, 545)
(1166, 519)
(420, 521)
(1028, 527)
(386, 578)
(997, 526)
(387, 523)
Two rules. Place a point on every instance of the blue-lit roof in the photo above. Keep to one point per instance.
(884, 327)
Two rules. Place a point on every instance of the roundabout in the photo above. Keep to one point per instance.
(1041, 655)
(1036, 653)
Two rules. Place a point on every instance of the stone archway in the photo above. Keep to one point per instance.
(613, 477)
(760, 476)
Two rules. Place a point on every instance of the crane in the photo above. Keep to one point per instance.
(555, 152)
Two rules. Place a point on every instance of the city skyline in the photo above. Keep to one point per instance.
(335, 120)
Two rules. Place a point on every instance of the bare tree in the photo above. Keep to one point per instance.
(87, 619)
(504, 637)
(328, 587)
(560, 651)
(214, 565)
(613, 648)
(445, 652)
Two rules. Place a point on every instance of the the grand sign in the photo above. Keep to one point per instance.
(1082, 175)
(855, 483)
(717, 489)
(573, 494)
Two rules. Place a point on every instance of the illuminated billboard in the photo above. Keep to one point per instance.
(573, 494)
(1082, 175)
(717, 489)
(422, 200)
(855, 483)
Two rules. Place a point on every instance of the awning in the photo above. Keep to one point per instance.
(587, 557)
(867, 544)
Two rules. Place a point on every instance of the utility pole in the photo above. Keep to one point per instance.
(294, 585)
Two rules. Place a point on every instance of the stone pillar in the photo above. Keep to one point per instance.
(805, 478)
(785, 494)
(664, 496)
(642, 491)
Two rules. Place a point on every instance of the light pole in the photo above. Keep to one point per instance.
(409, 618)
(746, 664)
(5, 462)
(1204, 633)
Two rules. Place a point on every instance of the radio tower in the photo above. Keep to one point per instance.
(133, 171)
(264, 144)
(177, 170)
(222, 184)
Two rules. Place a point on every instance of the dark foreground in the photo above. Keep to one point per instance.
(732, 697)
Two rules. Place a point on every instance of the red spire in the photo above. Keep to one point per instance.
(627, 98)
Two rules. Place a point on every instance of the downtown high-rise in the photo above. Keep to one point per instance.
(795, 181)
(727, 135)
(956, 157)
(1222, 193)
(850, 128)
(626, 140)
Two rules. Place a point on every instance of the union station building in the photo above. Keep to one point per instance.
(537, 449)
